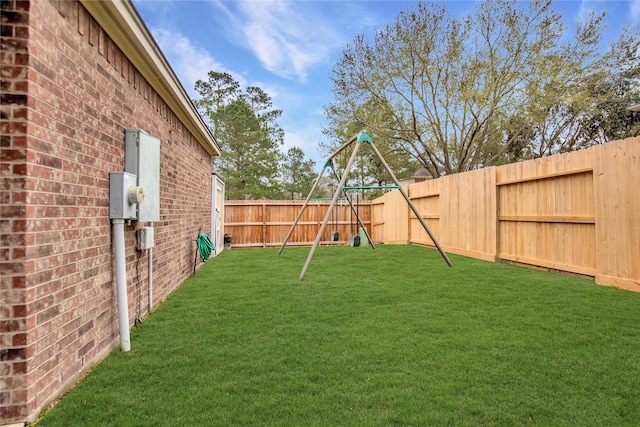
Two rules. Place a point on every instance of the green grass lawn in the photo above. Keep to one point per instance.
(382, 337)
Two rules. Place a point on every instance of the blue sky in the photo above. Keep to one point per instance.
(288, 48)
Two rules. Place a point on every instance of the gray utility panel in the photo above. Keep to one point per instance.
(142, 158)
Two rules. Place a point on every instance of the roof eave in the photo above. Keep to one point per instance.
(121, 21)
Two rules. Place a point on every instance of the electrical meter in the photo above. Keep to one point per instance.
(124, 195)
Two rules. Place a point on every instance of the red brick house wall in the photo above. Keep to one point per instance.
(68, 94)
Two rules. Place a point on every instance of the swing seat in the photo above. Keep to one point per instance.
(354, 241)
(335, 236)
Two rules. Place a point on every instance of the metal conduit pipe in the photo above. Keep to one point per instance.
(121, 283)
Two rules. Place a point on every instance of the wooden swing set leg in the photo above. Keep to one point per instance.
(304, 205)
(328, 214)
(411, 205)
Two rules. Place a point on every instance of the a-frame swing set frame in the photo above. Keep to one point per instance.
(359, 139)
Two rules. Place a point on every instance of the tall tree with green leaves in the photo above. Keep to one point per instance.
(246, 128)
(297, 175)
(465, 92)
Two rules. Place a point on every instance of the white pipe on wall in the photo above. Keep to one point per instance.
(121, 283)
(150, 275)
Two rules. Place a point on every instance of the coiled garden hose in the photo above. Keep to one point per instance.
(205, 247)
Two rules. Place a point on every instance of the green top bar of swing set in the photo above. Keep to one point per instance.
(370, 187)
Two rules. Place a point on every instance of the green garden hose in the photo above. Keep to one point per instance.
(205, 247)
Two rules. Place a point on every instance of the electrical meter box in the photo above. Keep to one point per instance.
(122, 200)
(142, 158)
(144, 239)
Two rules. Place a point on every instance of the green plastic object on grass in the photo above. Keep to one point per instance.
(363, 237)
(205, 247)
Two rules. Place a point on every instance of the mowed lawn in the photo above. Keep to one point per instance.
(382, 337)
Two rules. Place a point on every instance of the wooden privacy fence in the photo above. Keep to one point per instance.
(577, 212)
(265, 223)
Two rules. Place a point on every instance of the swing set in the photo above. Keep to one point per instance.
(359, 139)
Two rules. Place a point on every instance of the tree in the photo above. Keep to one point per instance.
(612, 120)
(468, 92)
(247, 131)
(368, 168)
(297, 174)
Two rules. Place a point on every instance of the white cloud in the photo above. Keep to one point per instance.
(634, 10)
(293, 139)
(307, 140)
(287, 37)
(190, 62)
(587, 7)
(627, 11)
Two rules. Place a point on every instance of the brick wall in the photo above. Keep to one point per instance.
(68, 94)
(13, 217)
